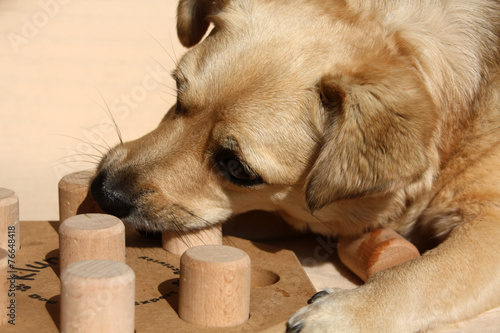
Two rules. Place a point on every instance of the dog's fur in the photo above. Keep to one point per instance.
(343, 116)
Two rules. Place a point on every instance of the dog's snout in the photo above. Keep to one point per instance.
(110, 196)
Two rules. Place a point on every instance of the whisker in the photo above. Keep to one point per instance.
(173, 90)
(90, 144)
(99, 135)
(175, 61)
(207, 224)
(96, 158)
(78, 153)
(110, 114)
(93, 163)
(181, 233)
(229, 241)
(199, 237)
(168, 101)
(79, 156)
(166, 70)
(320, 221)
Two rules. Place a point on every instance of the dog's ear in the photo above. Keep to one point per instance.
(192, 23)
(376, 140)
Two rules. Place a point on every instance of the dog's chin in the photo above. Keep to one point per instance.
(143, 224)
(177, 220)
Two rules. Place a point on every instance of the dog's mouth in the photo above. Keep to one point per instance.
(117, 198)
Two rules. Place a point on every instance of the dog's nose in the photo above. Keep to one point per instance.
(111, 198)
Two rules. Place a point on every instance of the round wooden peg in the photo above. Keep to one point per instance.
(74, 197)
(177, 242)
(215, 286)
(375, 251)
(9, 220)
(97, 296)
(7, 282)
(91, 236)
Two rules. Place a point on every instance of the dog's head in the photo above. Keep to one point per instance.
(286, 106)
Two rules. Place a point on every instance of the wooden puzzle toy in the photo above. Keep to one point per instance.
(278, 284)
(260, 286)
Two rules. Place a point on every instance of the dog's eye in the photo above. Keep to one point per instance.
(237, 172)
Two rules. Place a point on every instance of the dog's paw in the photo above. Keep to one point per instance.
(328, 311)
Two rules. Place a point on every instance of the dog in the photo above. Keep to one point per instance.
(344, 116)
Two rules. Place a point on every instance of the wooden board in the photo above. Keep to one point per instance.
(279, 288)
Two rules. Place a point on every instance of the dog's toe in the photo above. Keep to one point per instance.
(331, 310)
(294, 328)
(318, 295)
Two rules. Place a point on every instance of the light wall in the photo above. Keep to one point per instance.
(64, 67)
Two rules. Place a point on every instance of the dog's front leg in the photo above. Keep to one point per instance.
(457, 280)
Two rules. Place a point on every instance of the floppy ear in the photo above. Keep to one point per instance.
(377, 138)
(192, 23)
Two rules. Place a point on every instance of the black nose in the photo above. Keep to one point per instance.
(110, 196)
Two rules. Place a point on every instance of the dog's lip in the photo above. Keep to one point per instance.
(138, 221)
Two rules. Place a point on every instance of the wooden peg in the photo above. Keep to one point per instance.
(97, 296)
(214, 289)
(91, 236)
(74, 196)
(9, 220)
(177, 242)
(375, 251)
(7, 290)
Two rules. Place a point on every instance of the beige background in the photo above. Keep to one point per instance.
(64, 65)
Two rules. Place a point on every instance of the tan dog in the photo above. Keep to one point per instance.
(343, 116)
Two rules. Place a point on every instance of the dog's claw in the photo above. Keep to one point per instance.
(295, 328)
(315, 297)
